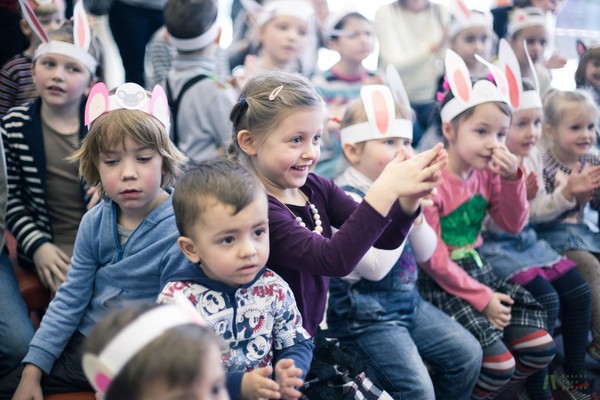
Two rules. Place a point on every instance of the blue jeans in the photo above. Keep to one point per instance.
(16, 330)
(394, 353)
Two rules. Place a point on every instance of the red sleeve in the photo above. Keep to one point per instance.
(508, 203)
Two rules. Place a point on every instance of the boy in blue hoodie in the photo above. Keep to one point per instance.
(221, 211)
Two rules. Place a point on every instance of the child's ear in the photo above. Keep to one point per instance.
(218, 38)
(448, 131)
(247, 142)
(352, 153)
(188, 247)
(548, 131)
(25, 28)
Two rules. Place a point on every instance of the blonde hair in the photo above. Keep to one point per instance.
(558, 102)
(113, 129)
(257, 113)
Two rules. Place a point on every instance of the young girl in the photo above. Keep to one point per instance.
(278, 123)
(482, 177)
(527, 260)
(376, 310)
(571, 180)
(587, 75)
(126, 246)
(145, 352)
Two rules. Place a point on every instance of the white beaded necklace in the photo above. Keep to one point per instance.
(315, 214)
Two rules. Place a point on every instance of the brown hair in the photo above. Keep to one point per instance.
(172, 359)
(186, 19)
(113, 129)
(558, 102)
(224, 180)
(591, 54)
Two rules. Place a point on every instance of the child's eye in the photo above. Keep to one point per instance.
(406, 143)
(538, 122)
(227, 240)
(73, 69)
(317, 138)
(501, 135)
(110, 161)
(48, 63)
(302, 32)
(260, 232)
(296, 140)
(591, 127)
(481, 132)
(145, 158)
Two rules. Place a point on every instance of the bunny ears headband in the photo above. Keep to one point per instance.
(523, 18)
(378, 101)
(464, 18)
(81, 33)
(468, 94)
(519, 99)
(130, 96)
(101, 369)
(295, 8)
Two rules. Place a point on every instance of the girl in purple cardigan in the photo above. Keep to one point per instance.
(278, 122)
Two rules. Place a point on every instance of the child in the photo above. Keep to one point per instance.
(145, 352)
(482, 177)
(376, 309)
(16, 84)
(587, 75)
(126, 246)
(200, 125)
(351, 35)
(571, 180)
(527, 260)
(221, 212)
(527, 27)
(278, 123)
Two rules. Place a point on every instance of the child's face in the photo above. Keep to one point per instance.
(290, 151)
(477, 136)
(131, 177)
(575, 134)
(232, 248)
(376, 154)
(60, 80)
(358, 42)
(472, 41)
(536, 38)
(283, 38)
(211, 386)
(592, 73)
(51, 22)
(525, 131)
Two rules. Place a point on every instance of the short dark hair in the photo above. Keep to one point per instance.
(186, 19)
(340, 24)
(225, 180)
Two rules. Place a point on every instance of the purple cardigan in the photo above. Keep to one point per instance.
(306, 260)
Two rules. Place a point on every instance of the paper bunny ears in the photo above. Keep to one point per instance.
(81, 33)
(378, 101)
(130, 96)
(101, 369)
(302, 9)
(464, 18)
(520, 99)
(468, 94)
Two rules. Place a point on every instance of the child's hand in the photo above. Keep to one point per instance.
(496, 312)
(531, 183)
(51, 264)
(504, 163)
(94, 198)
(29, 387)
(288, 377)
(555, 61)
(256, 385)
(581, 185)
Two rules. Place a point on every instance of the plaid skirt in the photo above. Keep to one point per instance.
(526, 311)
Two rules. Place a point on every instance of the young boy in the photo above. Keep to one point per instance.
(221, 211)
(200, 108)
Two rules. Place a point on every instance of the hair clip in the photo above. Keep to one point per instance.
(275, 92)
(243, 102)
(440, 96)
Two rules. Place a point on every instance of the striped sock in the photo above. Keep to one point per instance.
(496, 372)
(533, 351)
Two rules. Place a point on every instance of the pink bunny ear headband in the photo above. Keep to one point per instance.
(81, 34)
(295, 8)
(381, 114)
(101, 369)
(519, 99)
(464, 18)
(466, 94)
(199, 42)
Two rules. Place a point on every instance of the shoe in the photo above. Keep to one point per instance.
(575, 390)
(594, 350)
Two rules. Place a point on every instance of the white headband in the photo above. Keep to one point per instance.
(69, 50)
(463, 19)
(522, 18)
(466, 94)
(101, 369)
(199, 42)
(301, 9)
(331, 20)
(130, 96)
(519, 99)
(381, 115)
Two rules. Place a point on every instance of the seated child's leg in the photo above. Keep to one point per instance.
(546, 295)
(16, 330)
(589, 267)
(67, 373)
(452, 351)
(497, 369)
(533, 350)
(576, 300)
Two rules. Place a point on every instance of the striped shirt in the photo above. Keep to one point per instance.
(16, 83)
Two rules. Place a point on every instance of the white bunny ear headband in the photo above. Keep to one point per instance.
(523, 18)
(332, 19)
(130, 96)
(519, 99)
(464, 18)
(295, 8)
(101, 369)
(468, 94)
(81, 34)
(381, 115)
